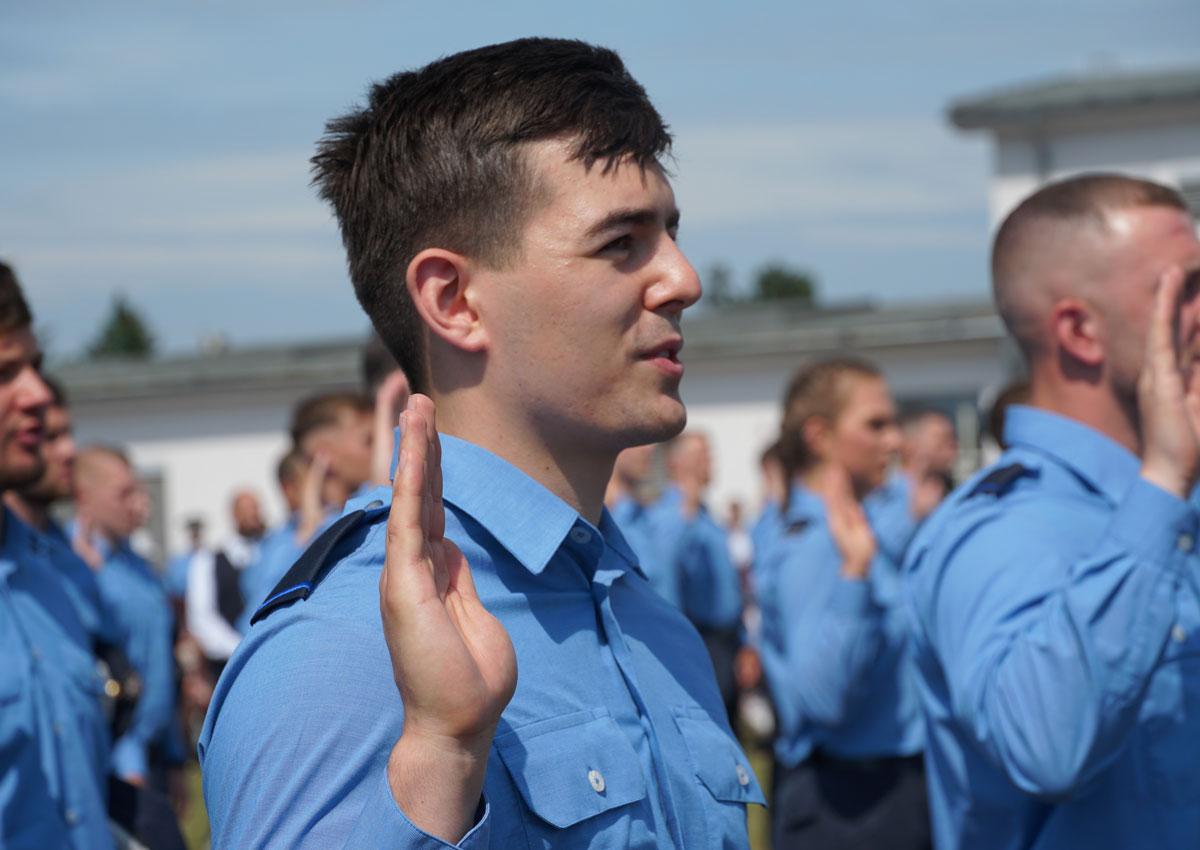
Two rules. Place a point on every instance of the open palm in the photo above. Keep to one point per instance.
(453, 661)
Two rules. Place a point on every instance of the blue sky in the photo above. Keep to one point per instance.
(161, 149)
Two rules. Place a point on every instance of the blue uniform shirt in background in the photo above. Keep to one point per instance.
(133, 592)
(696, 567)
(889, 510)
(81, 584)
(835, 651)
(1058, 642)
(636, 522)
(175, 579)
(615, 738)
(53, 739)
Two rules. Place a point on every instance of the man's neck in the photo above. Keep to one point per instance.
(31, 512)
(576, 475)
(1093, 405)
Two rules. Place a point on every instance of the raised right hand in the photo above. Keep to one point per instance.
(1168, 401)
(452, 660)
(848, 525)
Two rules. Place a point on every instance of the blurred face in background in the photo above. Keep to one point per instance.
(634, 465)
(932, 444)
(347, 444)
(247, 515)
(863, 438)
(58, 455)
(108, 493)
(691, 459)
(24, 398)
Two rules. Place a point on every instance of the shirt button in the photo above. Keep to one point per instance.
(71, 817)
(1185, 542)
(57, 730)
(1179, 634)
(581, 535)
(35, 653)
(597, 779)
(743, 776)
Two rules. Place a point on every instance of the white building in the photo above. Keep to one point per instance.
(1147, 124)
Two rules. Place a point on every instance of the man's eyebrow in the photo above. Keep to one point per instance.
(632, 216)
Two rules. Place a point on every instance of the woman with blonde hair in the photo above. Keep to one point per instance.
(848, 770)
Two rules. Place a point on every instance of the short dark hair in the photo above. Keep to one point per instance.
(320, 411)
(435, 160)
(290, 467)
(15, 314)
(377, 363)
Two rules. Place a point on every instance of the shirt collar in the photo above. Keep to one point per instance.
(524, 517)
(804, 504)
(1102, 463)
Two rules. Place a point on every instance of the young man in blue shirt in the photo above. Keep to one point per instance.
(511, 233)
(1054, 596)
(53, 742)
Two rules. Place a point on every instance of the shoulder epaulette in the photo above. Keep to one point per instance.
(302, 579)
(1000, 480)
(796, 526)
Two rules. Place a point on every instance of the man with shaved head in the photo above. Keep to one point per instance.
(108, 501)
(1054, 597)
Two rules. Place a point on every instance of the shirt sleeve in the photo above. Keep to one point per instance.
(1047, 676)
(216, 637)
(148, 647)
(289, 761)
(826, 648)
(892, 520)
(712, 595)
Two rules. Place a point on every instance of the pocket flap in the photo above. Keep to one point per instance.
(573, 767)
(717, 759)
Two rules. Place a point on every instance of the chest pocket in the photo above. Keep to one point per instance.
(571, 769)
(1169, 724)
(723, 770)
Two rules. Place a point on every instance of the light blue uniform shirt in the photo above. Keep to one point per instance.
(1058, 642)
(615, 738)
(175, 579)
(53, 739)
(889, 510)
(80, 582)
(132, 590)
(696, 573)
(836, 651)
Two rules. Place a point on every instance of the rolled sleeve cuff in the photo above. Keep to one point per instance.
(129, 758)
(1155, 525)
(383, 825)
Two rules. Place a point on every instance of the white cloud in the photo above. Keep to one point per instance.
(813, 170)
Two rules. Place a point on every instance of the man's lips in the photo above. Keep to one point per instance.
(29, 437)
(665, 356)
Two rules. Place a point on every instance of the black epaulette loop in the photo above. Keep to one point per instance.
(302, 579)
(797, 526)
(1000, 480)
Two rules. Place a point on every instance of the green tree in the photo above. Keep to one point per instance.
(780, 282)
(123, 334)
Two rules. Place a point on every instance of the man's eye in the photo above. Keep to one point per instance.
(620, 244)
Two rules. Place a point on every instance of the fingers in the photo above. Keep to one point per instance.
(433, 466)
(406, 529)
(1160, 342)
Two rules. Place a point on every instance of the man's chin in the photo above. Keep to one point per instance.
(17, 475)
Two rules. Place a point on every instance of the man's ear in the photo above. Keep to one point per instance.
(439, 283)
(1078, 331)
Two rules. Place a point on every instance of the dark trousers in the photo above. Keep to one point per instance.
(826, 803)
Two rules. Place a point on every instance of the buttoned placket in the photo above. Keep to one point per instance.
(587, 547)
